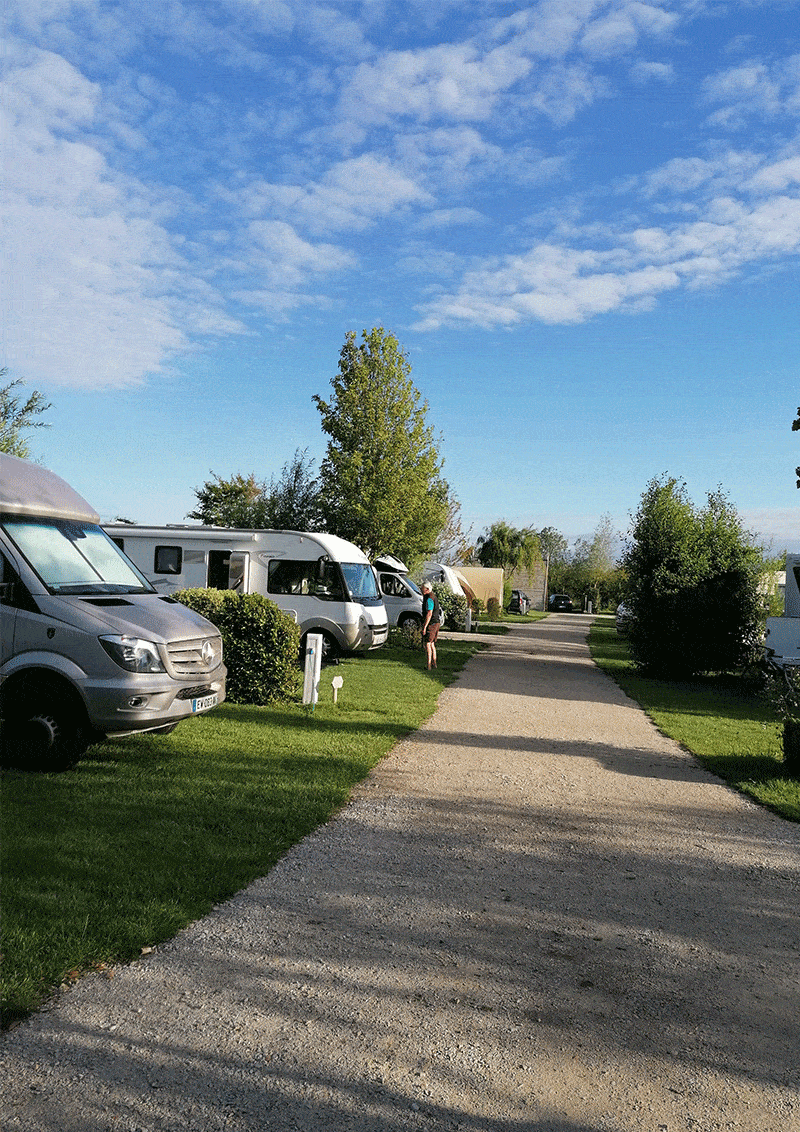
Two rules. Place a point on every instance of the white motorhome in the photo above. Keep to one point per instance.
(88, 647)
(401, 596)
(325, 583)
(782, 643)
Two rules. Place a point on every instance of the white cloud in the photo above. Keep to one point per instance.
(555, 283)
(754, 88)
(349, 197)
(81, 248)
(621, 29)
(284, 258)
(643, 72)
(450, 217)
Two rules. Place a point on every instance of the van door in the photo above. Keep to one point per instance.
(8, 613)
(228, 570)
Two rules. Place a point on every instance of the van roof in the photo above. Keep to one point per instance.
(29, 489)
(340, 549)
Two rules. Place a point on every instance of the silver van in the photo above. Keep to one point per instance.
(401, 596)
(88, 648)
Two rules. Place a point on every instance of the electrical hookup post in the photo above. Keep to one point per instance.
(313, 667)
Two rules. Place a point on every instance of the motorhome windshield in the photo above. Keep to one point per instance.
(75, 558)
(360, 581)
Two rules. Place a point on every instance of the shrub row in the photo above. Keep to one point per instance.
(261, 644)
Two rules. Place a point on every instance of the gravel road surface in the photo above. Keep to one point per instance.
(536, 915)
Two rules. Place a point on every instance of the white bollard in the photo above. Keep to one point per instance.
(312, 668)
(468, 622)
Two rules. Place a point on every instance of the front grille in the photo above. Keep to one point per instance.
(194, 693)
(186, 657)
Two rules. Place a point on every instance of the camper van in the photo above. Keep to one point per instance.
(323, 582)
(401, 596)
(88, 648)
(782, 643)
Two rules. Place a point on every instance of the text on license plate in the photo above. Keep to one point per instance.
(205, 702)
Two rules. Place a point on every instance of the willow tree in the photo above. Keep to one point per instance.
(380, 480)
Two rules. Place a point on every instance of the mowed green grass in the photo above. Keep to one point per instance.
(147, 833)
(723, 720)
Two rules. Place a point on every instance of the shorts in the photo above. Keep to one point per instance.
(432, 632)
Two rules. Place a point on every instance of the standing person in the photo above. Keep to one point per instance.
(431, 620)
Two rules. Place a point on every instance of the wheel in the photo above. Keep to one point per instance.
(43, 730)
(410, 620)
(330, 649)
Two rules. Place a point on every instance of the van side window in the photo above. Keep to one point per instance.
(291, 577)
(12, 591)
(168, 560)
(392, 586)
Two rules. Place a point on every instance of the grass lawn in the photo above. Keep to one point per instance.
(147, 833)
(720, 719)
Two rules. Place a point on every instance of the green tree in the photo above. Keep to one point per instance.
(236, 502)
(593, 571)
(509, 548)
(292, 502)
(454, 546)
(380, 479)
(693, 584)
(18, 416)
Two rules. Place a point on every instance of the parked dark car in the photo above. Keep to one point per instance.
(560, 603)
(520, 602)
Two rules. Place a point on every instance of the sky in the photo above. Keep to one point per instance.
(580, 218)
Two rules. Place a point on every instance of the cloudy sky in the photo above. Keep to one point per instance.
(581, 219)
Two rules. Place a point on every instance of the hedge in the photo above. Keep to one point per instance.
(261, 644)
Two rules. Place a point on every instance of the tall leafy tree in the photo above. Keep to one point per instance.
(18, 416)
(380, 479)
(509, 548)
(236, 502)
(693, 584)
(292, 501)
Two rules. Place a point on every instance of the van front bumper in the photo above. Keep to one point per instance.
(149, 701)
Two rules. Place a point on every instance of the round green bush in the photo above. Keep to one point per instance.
(260, 644)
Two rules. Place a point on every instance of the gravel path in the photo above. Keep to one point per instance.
(536, 915)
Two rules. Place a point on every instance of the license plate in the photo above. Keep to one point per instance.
(205, 702)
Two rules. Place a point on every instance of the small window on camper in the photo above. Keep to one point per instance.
(167, 560)
(315, 579)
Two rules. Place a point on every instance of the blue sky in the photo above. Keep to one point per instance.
(580, 218)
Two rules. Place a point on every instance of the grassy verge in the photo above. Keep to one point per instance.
(149, 832)
(720, 719)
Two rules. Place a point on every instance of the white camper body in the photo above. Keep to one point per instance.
(87, 648)
(782, 643)
(325, 583)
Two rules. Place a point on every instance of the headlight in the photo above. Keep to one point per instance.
(133, 654)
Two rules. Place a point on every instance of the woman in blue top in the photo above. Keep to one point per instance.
(431, 620)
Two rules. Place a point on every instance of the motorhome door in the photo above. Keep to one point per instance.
(228, 570)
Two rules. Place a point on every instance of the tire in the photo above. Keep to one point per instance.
(44, 729)
(330, 649)
(410, 619)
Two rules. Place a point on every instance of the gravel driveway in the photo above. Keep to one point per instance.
(536, 915)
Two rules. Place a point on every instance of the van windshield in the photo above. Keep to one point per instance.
(75, 558)
(360, 580)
